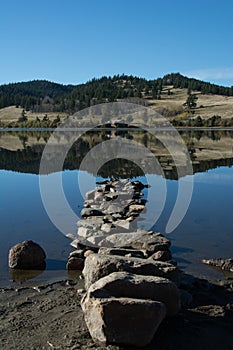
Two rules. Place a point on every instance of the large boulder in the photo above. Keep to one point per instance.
(27, 255)
(122, 321)
(122, 284)
(97, 266)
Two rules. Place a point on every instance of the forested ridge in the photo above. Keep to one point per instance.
(45, 96)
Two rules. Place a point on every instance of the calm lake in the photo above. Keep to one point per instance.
(206, 230)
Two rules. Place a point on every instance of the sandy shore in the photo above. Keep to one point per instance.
(49, 316)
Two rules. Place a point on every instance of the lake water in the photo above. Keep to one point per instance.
(206, 230)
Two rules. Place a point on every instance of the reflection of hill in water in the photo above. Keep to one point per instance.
(208, 150)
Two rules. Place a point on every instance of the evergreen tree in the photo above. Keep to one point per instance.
(191, 101)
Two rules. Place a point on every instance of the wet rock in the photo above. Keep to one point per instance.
(97, 266)
(75, 263)
(26, 255)
(122, 321)
(224, 264)
(122, 284)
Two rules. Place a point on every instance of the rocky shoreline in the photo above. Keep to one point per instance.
(49, 316)
(128, 271)
(130, 293)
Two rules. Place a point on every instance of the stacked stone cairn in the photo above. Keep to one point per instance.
(131, 282)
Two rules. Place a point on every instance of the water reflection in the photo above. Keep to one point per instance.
(205, 232)
(208, 149)
(24, 275)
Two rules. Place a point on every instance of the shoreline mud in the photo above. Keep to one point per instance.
(49, 316)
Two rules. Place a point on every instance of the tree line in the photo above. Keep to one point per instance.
(44, 96)
(179, 81)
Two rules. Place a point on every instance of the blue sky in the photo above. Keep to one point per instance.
(72, 41)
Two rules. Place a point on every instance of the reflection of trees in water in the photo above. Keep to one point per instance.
(210, 133)
(27, 160)
(121, 168)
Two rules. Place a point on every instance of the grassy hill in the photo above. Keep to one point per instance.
(42, 103)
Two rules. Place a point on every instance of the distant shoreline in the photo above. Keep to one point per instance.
(121, 129)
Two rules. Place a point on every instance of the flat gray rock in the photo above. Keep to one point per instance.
(92, 222)
(98, 266)
(139, 240)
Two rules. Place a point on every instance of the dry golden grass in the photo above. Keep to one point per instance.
(10, 114)
(207, 106)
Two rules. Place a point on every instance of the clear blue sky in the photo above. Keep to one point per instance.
(72, 41)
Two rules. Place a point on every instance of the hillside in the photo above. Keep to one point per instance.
(43, 103)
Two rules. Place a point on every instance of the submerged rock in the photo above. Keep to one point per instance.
(224, 264)
(27, 255)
